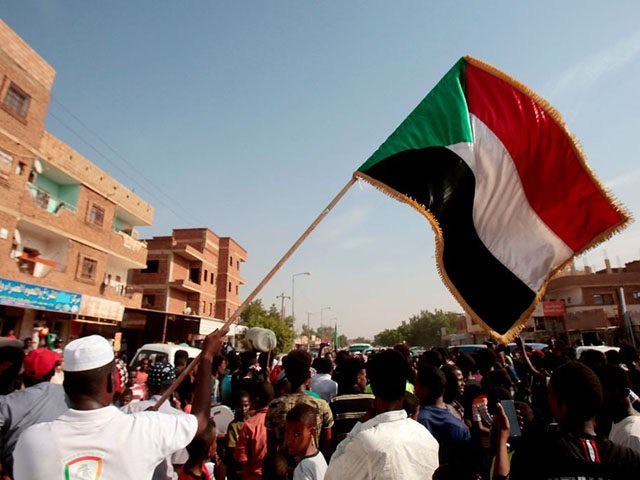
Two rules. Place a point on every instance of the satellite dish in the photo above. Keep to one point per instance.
(37, 165)
(187, 311)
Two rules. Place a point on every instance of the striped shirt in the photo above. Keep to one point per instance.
(347, 410)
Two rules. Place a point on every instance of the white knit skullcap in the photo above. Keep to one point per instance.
(87, 353)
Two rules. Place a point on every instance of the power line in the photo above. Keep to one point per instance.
(129, 164)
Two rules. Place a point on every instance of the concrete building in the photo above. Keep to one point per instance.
(67, 229)
(190, 285)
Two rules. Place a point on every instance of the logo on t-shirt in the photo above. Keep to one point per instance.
(83, 468)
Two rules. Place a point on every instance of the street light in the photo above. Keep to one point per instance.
(322, 310)
(293, 284)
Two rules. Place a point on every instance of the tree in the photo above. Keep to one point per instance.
(388, 337)
(255, 315)
(424, 329)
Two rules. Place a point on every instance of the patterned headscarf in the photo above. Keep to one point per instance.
(160, 374)
(122, 375)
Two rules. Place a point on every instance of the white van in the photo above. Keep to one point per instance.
(601, 348)
(161, 352)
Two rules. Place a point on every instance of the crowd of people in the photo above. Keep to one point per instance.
(497, 413)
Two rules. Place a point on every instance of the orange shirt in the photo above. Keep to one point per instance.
(251, 446)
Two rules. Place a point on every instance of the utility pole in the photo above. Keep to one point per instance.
(308, 321)
(308, 329)
(282, 296)
(625, 317)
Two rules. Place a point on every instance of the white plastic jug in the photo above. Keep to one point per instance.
(261, 339)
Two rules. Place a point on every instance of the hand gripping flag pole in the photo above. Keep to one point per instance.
(260, 286)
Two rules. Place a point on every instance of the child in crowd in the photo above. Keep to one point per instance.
(199, 453)
(300, 435)
(125, 398)
(241, 405)
(138, 389)
(411, 405)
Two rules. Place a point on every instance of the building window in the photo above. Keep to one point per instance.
(152, 266)
(194, 275)
(16, 100)
(211, 278)
(88, 269)
(206, 275)
(603, 299)
(96, 215)
(148, 300)
(210, 309)
(204, 307)
(236, 289)
(229, 286)
(230, 262)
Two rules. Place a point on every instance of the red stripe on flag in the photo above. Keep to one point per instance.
(595, 450)
(586, 449)
(555, 182)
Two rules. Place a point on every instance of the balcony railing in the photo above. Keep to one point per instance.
(47, 201)
(121, 290)
(129, 242)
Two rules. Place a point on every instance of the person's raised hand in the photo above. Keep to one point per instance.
(501, 422)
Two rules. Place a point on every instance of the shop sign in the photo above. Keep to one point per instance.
(26, 295)
(101, 308)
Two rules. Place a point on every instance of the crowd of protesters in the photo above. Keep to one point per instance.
(497, 413)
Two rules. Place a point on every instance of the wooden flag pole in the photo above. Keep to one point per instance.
(260, 286)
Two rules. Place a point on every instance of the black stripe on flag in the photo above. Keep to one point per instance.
(443, 183)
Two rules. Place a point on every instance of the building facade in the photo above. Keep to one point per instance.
(190, 285)
(67, 229)
(579, 307)
(583, 306)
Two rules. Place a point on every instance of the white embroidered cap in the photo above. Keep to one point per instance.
(87, 353)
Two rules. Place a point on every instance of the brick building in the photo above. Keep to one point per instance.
(586, 306)
(190, 285)
(579, 306)
(67, 229)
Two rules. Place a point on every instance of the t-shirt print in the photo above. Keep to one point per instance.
(87, 467)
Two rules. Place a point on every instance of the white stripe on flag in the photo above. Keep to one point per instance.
(592, 453)
(504, 219)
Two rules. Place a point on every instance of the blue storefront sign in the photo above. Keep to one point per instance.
(18, 294)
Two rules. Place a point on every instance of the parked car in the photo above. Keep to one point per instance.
(161, 352)
(468, 348)
(600, 348)
(529, 346)
(360, 347)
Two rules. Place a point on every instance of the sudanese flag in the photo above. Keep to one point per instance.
(504, 185)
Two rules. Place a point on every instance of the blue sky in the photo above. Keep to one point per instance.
(248, 117)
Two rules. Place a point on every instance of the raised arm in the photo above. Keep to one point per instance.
(201, 398)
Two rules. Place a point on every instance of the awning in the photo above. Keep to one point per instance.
(208, 325)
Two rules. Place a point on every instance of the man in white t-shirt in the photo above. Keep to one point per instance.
(161, 376)
(94, 440)
(388, 445)
(625, 430)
